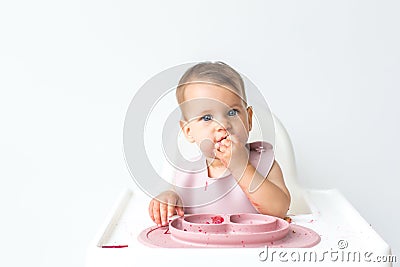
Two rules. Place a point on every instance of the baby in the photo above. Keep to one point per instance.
(237, 177)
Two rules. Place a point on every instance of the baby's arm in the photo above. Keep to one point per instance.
(268, 195)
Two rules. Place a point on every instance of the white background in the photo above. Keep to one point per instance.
(69, 69)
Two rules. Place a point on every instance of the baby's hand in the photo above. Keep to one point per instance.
(165, 205)
(233, 154)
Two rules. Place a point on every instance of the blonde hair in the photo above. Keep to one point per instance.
(211, 72)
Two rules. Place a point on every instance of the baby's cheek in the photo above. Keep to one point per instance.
(241, 134)
(207, 148)
(243, 138)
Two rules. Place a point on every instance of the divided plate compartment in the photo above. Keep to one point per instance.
(228, 230)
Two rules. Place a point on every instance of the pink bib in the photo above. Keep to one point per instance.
(202, 194)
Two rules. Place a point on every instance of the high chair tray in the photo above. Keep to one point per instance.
(345, 237)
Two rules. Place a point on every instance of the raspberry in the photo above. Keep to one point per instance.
(217, 220)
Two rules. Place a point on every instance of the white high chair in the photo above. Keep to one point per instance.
(284, 155)
(327, 212)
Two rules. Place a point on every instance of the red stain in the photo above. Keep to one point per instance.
(200, 230)
(217, 219)
(114, 246)
(205, 188)
(311, 221)
(288, 219)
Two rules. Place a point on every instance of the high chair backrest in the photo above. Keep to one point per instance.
(284, 155)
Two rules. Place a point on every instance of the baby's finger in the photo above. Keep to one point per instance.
(179, 211)
(171, 209)
(179, 207)
(222, 148)
(226, 142)
(156, 213)
(151, 209)
(218, 154)
(163, 213)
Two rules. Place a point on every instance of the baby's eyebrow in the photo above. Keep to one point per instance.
(205, 111)
(236, 106)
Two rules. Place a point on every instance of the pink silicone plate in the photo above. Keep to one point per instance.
(236, 230)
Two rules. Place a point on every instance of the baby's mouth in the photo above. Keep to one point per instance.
(221, 138)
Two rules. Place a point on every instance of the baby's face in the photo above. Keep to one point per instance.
(212, 113)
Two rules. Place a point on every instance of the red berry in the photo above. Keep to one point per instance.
(217, 219)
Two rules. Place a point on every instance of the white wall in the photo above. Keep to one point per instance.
(68, 71)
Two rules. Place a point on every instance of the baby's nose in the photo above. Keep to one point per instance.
(222, 125)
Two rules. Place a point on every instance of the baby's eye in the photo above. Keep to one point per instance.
(207, 117)
(232, 112)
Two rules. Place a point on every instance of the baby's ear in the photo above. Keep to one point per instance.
(186, 130)
(250, 117)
